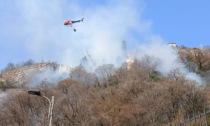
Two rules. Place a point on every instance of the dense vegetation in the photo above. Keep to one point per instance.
(137, 96)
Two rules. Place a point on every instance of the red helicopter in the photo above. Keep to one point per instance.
(69, 23)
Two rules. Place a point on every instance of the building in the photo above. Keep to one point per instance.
(172, 44)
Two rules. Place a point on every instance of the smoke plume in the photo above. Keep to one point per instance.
(38, 30)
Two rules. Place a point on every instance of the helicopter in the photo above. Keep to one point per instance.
(70, 22)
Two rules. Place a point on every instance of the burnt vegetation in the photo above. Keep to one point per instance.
(134, 96)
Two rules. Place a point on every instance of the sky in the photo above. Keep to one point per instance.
(33, 29)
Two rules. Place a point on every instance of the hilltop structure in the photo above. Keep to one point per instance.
(172, 44)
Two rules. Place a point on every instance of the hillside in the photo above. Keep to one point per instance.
(137, 95)
(196, 60)
(21, 75)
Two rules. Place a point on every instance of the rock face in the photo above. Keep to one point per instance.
(19, 76)
(196, 59)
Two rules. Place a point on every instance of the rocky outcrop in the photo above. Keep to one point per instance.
(21, 75)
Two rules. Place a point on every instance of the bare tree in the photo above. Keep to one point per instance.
(72, 108)
(80, 75)
(104, 72)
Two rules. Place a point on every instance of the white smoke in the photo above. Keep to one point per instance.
(49, 77)
(165, 58)
(105, 26)
(40, 31)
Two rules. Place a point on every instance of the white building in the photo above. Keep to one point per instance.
(172, 44)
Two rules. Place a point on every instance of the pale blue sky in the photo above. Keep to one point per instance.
(33, 29)
(186, 22)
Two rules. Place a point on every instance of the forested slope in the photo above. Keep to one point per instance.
(134, 96)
